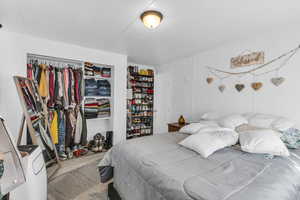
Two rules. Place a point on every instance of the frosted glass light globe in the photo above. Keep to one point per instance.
(151, 19)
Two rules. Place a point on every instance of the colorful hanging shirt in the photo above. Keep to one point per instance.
(66, 85)
(29, 71)
(43, 88)
(54, 128)
(51, 87)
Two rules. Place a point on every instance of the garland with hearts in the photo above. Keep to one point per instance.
(255, 72)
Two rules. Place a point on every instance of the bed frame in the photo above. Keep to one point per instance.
(113, 193)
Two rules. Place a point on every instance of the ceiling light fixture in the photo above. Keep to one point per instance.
(151, 18)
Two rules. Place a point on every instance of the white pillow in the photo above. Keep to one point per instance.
(209, 122)
(246, 127)
(195, 127)
(248, 115)
(282, 124)
(262, 120)
(207, 142)
(232, 121)
(264, 141)
(210, 116)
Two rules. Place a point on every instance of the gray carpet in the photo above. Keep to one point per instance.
(79, 184)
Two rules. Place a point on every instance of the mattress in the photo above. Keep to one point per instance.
(157, 168)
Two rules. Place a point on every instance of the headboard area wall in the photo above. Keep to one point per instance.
(184, 89)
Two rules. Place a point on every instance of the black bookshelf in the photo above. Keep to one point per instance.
(140, 103)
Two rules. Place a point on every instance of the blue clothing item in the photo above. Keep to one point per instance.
(103, 87)
(95, 87)
(91, 92)
(90, 84)
(291, 138)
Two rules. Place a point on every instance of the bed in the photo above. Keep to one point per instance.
(157, 168)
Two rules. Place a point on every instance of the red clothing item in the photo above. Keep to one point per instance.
(77, 92)
(91, 104)
(29, 71)
(51, 87)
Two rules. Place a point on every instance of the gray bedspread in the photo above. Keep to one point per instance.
(157, 168)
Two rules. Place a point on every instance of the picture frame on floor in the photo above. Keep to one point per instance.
(35, 118)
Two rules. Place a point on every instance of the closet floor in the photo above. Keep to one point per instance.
(78, 179)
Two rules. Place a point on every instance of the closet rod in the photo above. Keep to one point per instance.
(54, 59)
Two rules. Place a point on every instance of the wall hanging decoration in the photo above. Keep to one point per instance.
(222, 88)
(209, 80)
(239, 87)
(252, 58)
(277, 80)
(257, 71)
(256, 85)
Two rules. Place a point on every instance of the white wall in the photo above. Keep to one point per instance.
(183, 87)
(13, 50)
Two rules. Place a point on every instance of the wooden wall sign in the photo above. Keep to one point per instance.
(248, 59)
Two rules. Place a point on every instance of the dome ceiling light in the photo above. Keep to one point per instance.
(151, 18)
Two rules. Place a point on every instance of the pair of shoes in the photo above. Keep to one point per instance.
(62, 156)
(83, 151)
(80, 152)
(69, 153)
(97, 149)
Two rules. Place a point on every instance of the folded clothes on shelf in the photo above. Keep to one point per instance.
(104, 88)
(106, 72)
(91, 83)
(96, 70)
(95, 87)
(91, 92)
(97, 108)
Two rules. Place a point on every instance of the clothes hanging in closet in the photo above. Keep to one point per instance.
(58, 85)
(61, 88)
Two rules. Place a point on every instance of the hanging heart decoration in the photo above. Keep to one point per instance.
(256, 85)
(277, 80)
(222, 88)
(210, 80)
(239, 87)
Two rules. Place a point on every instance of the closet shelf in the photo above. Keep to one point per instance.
(101, 118)
(135, 86)
(141, 81)
(97, 77)
(139, 75)
(98, 97)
